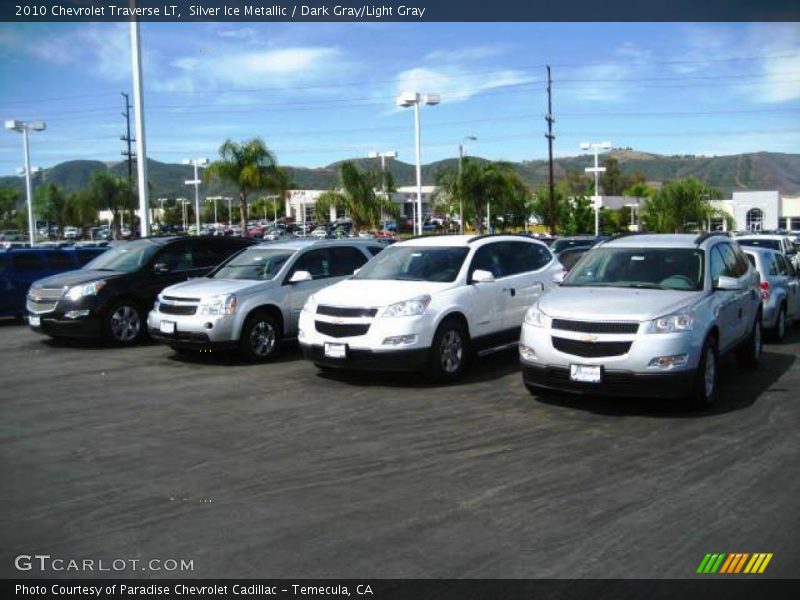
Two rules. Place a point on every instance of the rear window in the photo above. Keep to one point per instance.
(756, 243)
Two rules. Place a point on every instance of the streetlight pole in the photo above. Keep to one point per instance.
(24, 128)
(141, 150)
(461, 182)
(597, 199)
(406, 100)
(383, 156)
(196, 162)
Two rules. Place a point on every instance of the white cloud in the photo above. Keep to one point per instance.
(462, 54)
(456, 84)
(607, 81)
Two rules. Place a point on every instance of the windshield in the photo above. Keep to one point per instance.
(415, 263)
(127, 258)
(647, 268)
(257, 264)
(761, 243)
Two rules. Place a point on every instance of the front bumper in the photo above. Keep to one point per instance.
(369, 360)
(193, 331)
(55, 324)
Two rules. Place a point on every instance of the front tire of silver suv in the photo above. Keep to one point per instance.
(260, 337)
(704, 391)
(749, 355)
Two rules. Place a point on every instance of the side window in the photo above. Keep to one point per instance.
(177, 257)
(773, 265)
(487, 258)
(375, 250)
(316, 262)
(742, 265)
(784, 268)
(60, 261)
(23, 262)
(210, 253)
(345, 260)
(734, 267)
(717, 266)
(531, 257)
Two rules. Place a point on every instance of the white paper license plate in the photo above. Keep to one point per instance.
(585, 373)
(34, 321)
(335, 350)
(167, 327)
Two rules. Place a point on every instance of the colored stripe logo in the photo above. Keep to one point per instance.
(735, 562)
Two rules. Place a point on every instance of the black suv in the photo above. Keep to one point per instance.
(111, 295)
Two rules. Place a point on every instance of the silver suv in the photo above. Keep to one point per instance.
(646, 315)
(252, 301)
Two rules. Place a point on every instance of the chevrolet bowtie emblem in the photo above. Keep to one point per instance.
(589, 338)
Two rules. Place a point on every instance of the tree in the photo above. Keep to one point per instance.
(357, 196)
(108, 192)
(679, 204)
(8, 205)
(574, 213)
(250, 166)
(50, 203)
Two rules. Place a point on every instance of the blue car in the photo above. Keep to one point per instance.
(20, 267)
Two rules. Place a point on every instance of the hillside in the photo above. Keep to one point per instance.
(756, 171)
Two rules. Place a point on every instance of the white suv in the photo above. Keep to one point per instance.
(427, 303)
(251, 302)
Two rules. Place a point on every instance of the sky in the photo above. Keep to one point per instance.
(321, 92)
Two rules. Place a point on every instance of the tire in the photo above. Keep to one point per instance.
(778, 332)
(749, 355)
(704, 390)
(124, 323)
(449, 351)
(260, 337)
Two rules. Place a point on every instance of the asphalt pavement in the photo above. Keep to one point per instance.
(280, 471)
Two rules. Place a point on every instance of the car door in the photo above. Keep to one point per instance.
(487, 299)
(524, 279)
(725, 304)
(316, 261)
(745, 298)
(790, 278)
(172, 264)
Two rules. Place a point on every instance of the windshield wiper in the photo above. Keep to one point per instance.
(648, 286)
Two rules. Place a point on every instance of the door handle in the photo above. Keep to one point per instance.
(511, 291)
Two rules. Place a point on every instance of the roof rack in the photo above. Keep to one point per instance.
(475, 238)
(709, 234)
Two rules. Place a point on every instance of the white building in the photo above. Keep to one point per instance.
(300, 201)
(761, 210)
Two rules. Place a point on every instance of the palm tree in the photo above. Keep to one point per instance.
(357, 197)
(249, 166)
(678, 203)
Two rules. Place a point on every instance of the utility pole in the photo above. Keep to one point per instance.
(550, 137)
(128, 153)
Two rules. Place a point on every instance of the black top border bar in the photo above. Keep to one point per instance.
(414, 11)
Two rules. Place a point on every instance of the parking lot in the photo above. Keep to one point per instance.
(280, 471)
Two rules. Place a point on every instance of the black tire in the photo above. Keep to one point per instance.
(749, 355)
(704, 390)
(125, 323)
(449, 351)
(260, 337)
(778, 332)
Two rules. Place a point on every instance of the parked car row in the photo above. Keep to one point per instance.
(641, 315)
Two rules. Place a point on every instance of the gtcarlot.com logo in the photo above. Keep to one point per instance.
(735, 563)
(45, 562)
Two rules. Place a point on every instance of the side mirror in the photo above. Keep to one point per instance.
(481, 276)
(558, 278)
(161, 268)
(727, 284)
(300, 276)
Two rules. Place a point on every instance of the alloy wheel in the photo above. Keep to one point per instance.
(262, 338)
(710, 375)
(125, 323)
(451, 351)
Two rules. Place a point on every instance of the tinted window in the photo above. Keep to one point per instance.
(177, 257)
(210, 253)
(345, 260)
(488, 258)
(61, 261)
(27, 261)
(563, 244)
(257, 264)
(374, 249)
(717, 266)
(529, 257)
(127, 257)
(416, 263)
(735, 268)
(316, 262)
(783, 266)
(761, 243)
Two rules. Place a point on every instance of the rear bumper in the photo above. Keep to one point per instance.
(368, 360)
(614, 383)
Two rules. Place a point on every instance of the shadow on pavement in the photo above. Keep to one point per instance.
(288, 352)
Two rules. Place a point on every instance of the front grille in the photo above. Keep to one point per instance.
(591, 349)
(46, 293)
(592, 327)
(41, 307)
(176, 299)
(341, 330)
(176, 309)
(338, 311)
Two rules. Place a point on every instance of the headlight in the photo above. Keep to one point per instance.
(219, 305)
(408, 308)
(535, 317)
(680, 321)
(85, 289)
(311, 305)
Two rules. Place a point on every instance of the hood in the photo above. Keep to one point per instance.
(613, 304)
(70, 278)
(204, 287)
(374, 293)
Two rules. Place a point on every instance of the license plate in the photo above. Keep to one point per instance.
(167, 327)
(34, 321)
(584, 373)
(336, 350)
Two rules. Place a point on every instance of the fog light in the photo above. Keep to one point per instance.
(669, 362)
(301, 335)
(209, 326)
(76, 314)
(526, 352)
(400, 340)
